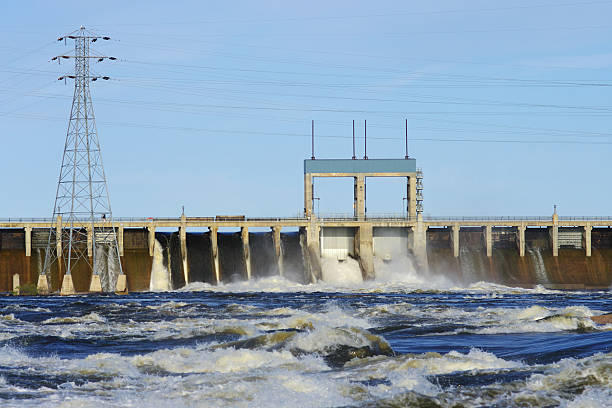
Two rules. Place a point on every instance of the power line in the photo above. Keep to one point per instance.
(366, 16)
(454, 77)
(285, 108)
(239, 132)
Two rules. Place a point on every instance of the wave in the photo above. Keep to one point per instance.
(21, 308)
(260, 376)
(399, 283)
(92, 317)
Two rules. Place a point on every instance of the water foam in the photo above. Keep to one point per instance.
(341, 273)
(160, 275)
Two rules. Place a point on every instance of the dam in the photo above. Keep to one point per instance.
(169, 253)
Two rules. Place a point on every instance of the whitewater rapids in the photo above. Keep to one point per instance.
(272, 343)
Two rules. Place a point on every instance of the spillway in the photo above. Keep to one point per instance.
(556, 257)
(263, 255)
(200, 258)
(231, 257)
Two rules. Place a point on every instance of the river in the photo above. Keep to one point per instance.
(272, 342)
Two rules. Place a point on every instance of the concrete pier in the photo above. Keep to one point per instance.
(359, 199)
(120, 239)
(67, 286)
(364, 251)
(214, 248)
(90, 234)
(419, 243)
(554, 239)
(308, 195)
(278, 249)
(95, 285)
(313, 250)
(554, 234)
(28, 240)
(489, 240)
(16, 284)
(246, 252)
(151, 239)
(42, 285)
(121, 284)
(183, 244)
(455, 240)
(412, 195)
(587, 239)
(521, 240)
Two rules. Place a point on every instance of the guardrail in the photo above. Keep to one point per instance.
(153, 219)
(487, 218)
(588, 218)
(325, 217)
(25, 219)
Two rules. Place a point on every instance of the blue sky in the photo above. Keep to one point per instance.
(210, 103)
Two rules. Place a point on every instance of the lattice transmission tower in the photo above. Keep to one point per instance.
(82, 235)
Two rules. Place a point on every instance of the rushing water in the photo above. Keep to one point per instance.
(276, 343)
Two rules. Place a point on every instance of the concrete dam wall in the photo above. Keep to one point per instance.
(463, 256)
(570, 269)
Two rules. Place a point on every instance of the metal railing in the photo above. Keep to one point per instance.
(352, 217)
(487, 218)
(154, 219)
(586, 218)
(326, 217)
(6, 220)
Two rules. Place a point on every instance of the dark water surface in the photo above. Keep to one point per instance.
(308, 345)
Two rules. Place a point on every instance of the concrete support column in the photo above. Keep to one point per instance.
(244, 233)
(587, 239)
(28, 240)
(278, 249)
(489, 240)
(42, 286)
(365, 250)
(16, 284)
(455, 240)
(554, 238)
(151, 239)
(521, 239)
(120, 239)
(412, 196)
(90, 242)
(313, 236)
(313, 231)
(307, 195)
(67, 284)
(121, 286)
(183, 236)
(419, 243)
(183, 241)
(359, 197)
(554, 234)
(214, 247)
(95, 285)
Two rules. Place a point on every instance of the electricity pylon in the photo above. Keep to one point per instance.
(82, 231)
